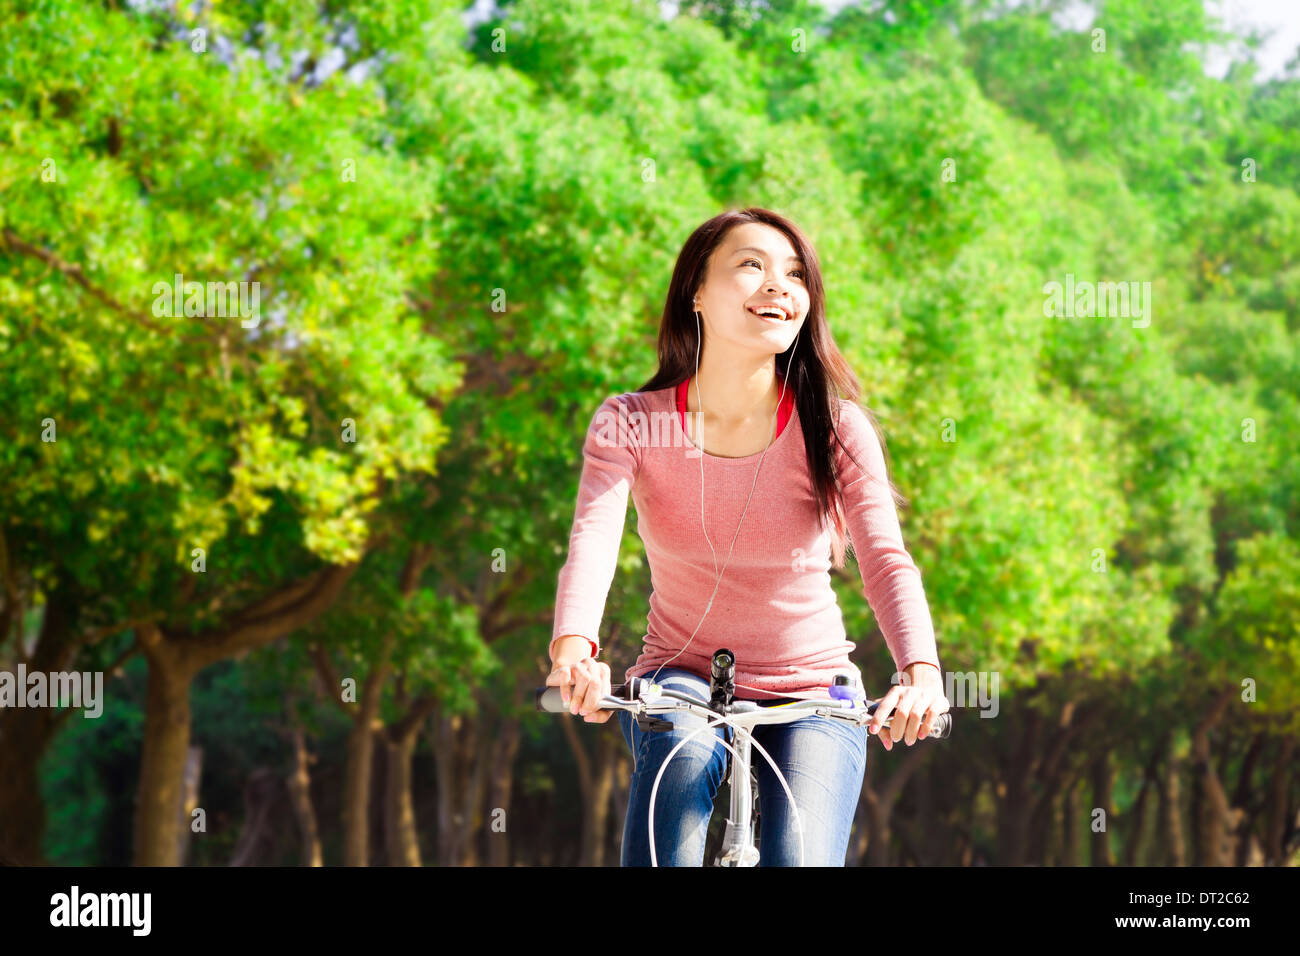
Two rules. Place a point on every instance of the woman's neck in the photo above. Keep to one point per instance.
(735, 396)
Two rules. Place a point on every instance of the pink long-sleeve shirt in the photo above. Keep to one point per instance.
(775, 607)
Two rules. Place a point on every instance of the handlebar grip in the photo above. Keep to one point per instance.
(550, 701)
(942, 726)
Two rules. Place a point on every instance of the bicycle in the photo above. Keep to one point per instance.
(645, 699)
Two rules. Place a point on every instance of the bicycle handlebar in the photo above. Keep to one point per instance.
(627, 697)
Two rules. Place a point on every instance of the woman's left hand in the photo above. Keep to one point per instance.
(916, 701)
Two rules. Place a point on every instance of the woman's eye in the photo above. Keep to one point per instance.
(760, 265)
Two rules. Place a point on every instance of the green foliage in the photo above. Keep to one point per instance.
(176, 432)
(1116, 503)
(1257, 621)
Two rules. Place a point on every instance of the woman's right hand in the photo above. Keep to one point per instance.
(583, 683)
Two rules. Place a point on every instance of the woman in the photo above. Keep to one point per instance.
(743, 436)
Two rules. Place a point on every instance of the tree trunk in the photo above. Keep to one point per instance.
(461, 776)
(474, 790)
(1012, 791)
(173, 663)
(619, 800)
(1102, 779)
(166, 745)
(1133, 841)
(358, 766)
(1170, 813)
(1046, 814)
(859, 838)
(298, 784)
(1056, 839)
(401, 838)
(586, 791)
(358, 769)
(1069, 824)
(602, 791)
(1292, 830)
(25, 735)
(943, 837)
(910, 855)
(442, 734)
(880, 803)
(1292, 826)
(1275, 815)
(875, 827)
(503, 768)
(923, 822)
(189, 801)
(264, 800)
(1215, 820)
(1244, 835)
(1049, 771)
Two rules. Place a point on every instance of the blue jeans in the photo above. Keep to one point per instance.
(822, 760)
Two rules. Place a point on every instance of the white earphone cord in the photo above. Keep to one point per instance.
(717, 583)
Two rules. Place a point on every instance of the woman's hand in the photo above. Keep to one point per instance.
(916, 702)
(582, 684)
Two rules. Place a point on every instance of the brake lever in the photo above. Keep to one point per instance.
(648, 722)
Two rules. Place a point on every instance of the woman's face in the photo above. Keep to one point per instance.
(754, 266)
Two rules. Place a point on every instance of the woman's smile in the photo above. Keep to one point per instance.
(767, 313)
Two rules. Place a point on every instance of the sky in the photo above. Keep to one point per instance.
(1281, 16)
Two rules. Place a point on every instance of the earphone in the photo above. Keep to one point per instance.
(718, 581)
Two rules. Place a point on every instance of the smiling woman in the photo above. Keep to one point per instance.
(744, 335)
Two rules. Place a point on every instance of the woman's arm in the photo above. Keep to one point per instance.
(890, 578)
(892, 585)
(572, 648)
(611, 457)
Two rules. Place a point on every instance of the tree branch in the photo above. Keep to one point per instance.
(95, 635)
(75, 273)
(410, 721)
(416, 562)
(256, 630)
(453, 582)
(510, 624)
(494, 606)
(329, 677)
(482, 371)
(111, 671)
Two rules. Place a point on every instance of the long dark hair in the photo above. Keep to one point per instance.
(821, 376)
